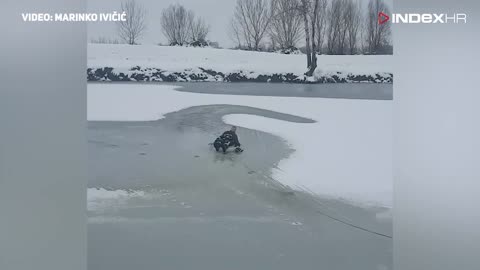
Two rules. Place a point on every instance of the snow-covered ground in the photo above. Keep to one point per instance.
(345, 154)
(331, 158)
(189, 60)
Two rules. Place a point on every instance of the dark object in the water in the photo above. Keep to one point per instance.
(227, 139)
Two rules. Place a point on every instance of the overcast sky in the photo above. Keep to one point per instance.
(217, 13)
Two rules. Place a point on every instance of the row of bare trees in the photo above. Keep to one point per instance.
(376, 34)
(326, 26)
(250, 23)
(342, 32)
(179, 25)
(286, 26)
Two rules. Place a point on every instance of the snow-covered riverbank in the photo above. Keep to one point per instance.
(345, 154)
(115, 62)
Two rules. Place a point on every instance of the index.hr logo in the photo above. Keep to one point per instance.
(422, 18)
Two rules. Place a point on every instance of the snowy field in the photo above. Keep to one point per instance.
(190, 59)
(345, 154)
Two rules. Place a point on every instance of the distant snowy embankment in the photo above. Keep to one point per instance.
(113, 62)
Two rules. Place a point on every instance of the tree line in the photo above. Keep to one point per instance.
(326, 26)
(319, 26)
(323, 26)
(179, 25)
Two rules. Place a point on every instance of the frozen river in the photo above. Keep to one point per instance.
(161, 198)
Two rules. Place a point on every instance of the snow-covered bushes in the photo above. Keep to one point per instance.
(289, 50)
(181, 63)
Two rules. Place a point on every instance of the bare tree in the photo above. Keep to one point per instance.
(251, 20)
(274, 45)
(135, 25)
(286, 23)
(336, 31)
(181, 26)
(313, 22)
(353, 17)
(309, 10)
(199, 30)
(304, 8)
(377, 35)
(321, 24)
(176, 22)
(235, 34)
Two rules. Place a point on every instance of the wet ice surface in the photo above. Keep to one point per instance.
(375, 91)
(168, 201)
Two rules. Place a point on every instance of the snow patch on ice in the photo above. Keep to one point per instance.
(100, 198)
(343, 159)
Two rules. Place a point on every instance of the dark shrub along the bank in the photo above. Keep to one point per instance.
(206, 75)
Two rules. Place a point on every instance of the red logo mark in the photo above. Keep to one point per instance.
(382, 18)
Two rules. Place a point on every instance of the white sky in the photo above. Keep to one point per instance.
(217, 13)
